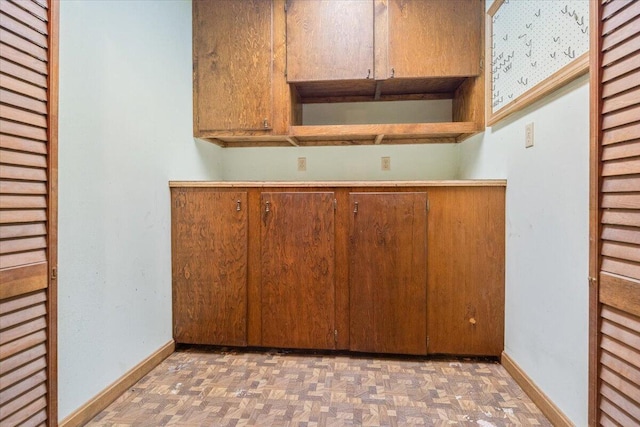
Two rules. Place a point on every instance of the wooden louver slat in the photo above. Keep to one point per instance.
(616, 369)
(27, 149)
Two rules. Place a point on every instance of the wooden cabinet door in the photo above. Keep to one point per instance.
(232, 59)
(329, 40)
(388, 272)
(209, 239)
(434, 38)
(466, 271)
(298, 264)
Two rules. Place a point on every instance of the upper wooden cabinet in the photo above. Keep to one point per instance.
(257, 62)
(239, 88)
(430, 38)
(334, 40)
(329, 40)
(232, 53)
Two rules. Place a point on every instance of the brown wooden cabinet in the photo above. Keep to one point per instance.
(298, 263)
(329, 40)
(255, 66)
(334, 40)
(466, 271)
(291, 265)
(433, 38)
(209, 258)
(238, 87)
(388, 272)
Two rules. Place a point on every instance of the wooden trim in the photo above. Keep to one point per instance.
(52, 212)
(22, 280)
(318, 184)
(413, 129)
(595, 168)
(560, 78)
(99, 402)
(620, 292)
(548, 408)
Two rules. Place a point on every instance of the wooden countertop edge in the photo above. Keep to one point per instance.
(316, 184)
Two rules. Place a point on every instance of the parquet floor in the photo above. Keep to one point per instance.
(214, 388)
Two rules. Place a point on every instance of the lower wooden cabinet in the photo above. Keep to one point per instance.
(297, 263)
(388, 272)
(209, 261)
(416, 268)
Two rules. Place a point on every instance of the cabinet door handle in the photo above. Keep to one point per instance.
(355, 207)
(268, 207)
(369, 73)
(238, 205)
(393, 73)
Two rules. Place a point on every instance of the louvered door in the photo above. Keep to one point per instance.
(28, 115)
(615, 269)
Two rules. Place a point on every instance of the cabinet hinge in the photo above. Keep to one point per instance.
(54, 273)
(335, 205)
(427, 342)
(335, 336)
(428, 206)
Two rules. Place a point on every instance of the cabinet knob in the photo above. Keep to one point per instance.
(265, 123)
(238, 205)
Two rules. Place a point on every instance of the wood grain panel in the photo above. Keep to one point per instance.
(37, 10)
(21, 58)
(466, 271)
(621, 134)
(329, 40)
(22, 44)
(209, 234)
(387, 272)
(22, 230)
(621, 18)
(24, 31)
(620, 367)
(15, 187)
(432, 38)
(26, 117)
(621, 167)
(621, 234)
(28, 202)
(21, 144)
(622, 150)
(232, 59)
(621, 184)
(22, 87)
(22, 258)
(298, 269)
(620, 267)
(621, 51)
(15, 70)
(26, 174)
(621, 201)
(28, 138)
(621, 118)
(621, 293)
(23, 159)
(23, 130)
(627, 65)
(21, 15)
(618, 102)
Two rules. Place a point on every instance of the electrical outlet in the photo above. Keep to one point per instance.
(385, 163)
(302, 164)
(528, 135)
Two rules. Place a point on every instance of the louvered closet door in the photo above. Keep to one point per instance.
(28, 93)
(616, 312)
